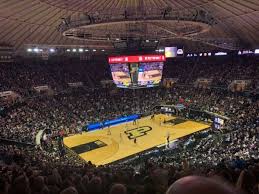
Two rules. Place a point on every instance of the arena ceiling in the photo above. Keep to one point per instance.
(33, 22)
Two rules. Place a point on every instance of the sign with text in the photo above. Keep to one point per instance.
(136, 59)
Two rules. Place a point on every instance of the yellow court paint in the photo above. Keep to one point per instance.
(119, 142)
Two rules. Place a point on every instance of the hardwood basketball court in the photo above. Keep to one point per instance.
(115, 143)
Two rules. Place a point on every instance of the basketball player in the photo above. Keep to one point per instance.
(135, 141)
(134, 122)
(153, 117)
(109, 130)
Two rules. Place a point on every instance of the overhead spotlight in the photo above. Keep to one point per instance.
(94, 50)
(86, 50)
(156, 41)
(68, 50)
(36, 50)
(80, 50)
(117, 39)
(103, 50)
(52, 50)
(221, 54)
(40, 50)
(74, 50)
(29, 50)
(147, 40)
(161, 50)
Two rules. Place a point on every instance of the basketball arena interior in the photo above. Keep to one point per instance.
(129, 96)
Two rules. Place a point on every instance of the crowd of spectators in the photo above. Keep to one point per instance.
(221, 70)
(228, 156)
(27, 73)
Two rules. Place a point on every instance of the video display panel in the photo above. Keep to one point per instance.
(170, 52)
(150, 74)
(137, 71)
(120, 74)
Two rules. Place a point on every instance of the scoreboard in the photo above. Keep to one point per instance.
(137, 71)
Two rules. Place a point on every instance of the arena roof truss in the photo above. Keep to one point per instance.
(229, 24)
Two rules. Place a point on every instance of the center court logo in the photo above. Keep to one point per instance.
(137, 132)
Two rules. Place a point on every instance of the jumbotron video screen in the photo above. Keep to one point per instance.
(137, 71)
(121, 74)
